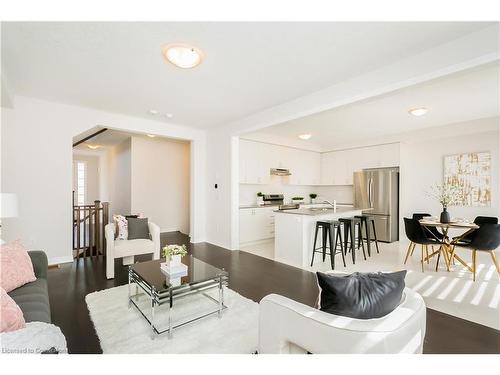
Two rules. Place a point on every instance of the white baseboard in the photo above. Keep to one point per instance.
(59, 260)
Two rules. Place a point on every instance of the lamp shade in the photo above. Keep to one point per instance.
(8, 205)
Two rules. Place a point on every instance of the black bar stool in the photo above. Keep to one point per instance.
(350, 225)
(327, 229)
(366, 222)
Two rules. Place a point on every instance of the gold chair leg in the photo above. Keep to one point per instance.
(408, 252)
(473, 265)
(494, 258)
(427, 253)
(422, 257)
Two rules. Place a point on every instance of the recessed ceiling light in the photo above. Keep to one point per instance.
(305, 137)
(182, 55)
(151, 135)
(418, 111)
(93, 147)
(153, 111)
(169, 115)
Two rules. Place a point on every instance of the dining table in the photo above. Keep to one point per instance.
(447, 245)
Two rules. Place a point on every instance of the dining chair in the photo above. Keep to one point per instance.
(486, 238)
(430, 232)
(417, 236)
(479, 220)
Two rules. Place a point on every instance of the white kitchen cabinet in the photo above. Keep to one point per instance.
(256, 224)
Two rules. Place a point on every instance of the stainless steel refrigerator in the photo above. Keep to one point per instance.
(378, 189)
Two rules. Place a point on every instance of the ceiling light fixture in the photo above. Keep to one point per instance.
(169, 115)
(151, 135)
(153, 112)
(305, 137)
(418, 111)
(182, 55)
(93, 147)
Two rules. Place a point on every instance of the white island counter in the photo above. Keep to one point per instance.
(294, 232)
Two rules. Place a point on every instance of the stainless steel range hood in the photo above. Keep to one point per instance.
(280, 172)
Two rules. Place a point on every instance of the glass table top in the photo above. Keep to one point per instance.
(197, 271)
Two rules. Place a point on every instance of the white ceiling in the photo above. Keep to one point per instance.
(464, 96)
(248, 66)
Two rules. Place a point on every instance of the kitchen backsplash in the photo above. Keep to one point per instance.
(342, 194)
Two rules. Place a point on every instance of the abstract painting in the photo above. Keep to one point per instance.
(471, 173)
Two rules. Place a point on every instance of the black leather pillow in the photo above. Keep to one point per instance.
(361, 295)
(138, 228)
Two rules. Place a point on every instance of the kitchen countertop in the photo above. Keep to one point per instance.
(320, 211)
(243, 206)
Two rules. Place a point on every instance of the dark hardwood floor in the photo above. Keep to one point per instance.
(253, 277)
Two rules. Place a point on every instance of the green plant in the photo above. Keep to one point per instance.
(313, 195)
(260, 194)
(170, 250)
(297, 198)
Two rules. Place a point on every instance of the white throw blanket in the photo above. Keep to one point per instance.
(34, 339)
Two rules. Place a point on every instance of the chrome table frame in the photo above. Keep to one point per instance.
(168, 297)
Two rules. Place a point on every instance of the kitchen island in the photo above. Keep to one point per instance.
(294, 232)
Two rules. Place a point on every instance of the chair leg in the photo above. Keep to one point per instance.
(339, 235)
(375, 236)
(438, 257)
(314, 245)
(325, 235)
(368, 237)
(427, 253)
(353, 250)
(474, 265)
(360, 232)
(410, 248)
(422, 257)
(494, 258)
(333, 245)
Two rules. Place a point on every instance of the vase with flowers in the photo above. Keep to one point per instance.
(447, 195)
(174, 254)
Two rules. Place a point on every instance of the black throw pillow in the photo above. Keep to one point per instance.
(361, 295)
(138, 228)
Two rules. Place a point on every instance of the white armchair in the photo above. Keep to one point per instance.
(126, 249)
(287, 326)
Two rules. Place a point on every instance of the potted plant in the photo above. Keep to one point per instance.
(313, 197)
(297, 199)
(173, 254)
(447, 195)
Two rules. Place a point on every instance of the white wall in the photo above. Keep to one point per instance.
(160, 182)
(36, 151)
(120, 179)
(422, 166)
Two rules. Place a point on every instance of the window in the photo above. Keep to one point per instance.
(81, 176)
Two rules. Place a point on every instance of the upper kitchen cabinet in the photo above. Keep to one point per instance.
(337, 167)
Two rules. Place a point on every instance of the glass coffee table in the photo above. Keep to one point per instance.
(154, 284)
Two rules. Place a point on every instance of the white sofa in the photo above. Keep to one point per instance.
(287, 326)
(127, 249)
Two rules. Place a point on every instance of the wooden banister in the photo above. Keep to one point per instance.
(89, 221)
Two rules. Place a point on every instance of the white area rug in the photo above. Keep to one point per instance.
(124, 330)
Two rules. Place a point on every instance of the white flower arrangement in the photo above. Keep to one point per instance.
(447, 195)
(171, 250)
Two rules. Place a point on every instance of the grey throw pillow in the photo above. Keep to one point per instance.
(361, 295)
(138, 228)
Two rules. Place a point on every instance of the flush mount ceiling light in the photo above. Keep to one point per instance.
(153, 112)
(151, 135)
(182, 55)
(418, 111)
(305, 137)
(169, 115)
(93, 147)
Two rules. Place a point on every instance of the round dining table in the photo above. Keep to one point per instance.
(447, 248)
